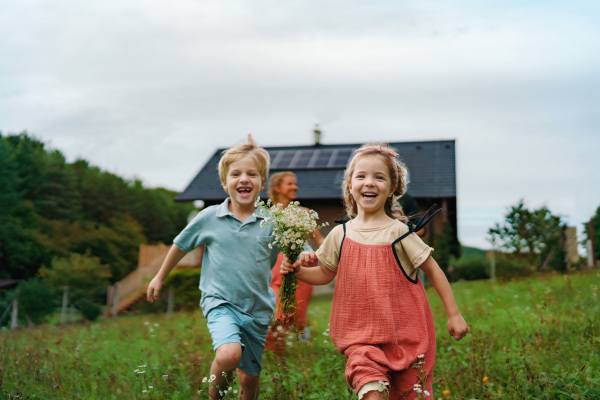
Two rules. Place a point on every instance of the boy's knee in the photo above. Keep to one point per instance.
(228, 356)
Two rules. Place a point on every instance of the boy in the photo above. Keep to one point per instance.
(236, 270)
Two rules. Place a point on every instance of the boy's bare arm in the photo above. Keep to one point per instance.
(173, 257)
(457, 326)
(308, 269)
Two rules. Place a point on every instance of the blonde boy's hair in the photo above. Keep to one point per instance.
(274, 182)
(248, 149)
(397, 172)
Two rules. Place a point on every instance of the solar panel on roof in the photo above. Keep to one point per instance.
(282, 159)
(301, 159)
(339, 158)
(320, 158)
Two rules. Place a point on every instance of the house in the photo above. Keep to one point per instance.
(320, 170)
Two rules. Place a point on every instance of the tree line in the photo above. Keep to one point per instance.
(51, 209)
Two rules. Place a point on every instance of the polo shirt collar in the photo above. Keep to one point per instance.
(223, 210)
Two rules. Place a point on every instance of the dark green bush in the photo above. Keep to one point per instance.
(36, 301)
(89, 310)
(470, 268)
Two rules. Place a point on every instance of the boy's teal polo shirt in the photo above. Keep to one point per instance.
(236, 268)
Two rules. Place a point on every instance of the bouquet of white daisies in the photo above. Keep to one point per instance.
(292, 226)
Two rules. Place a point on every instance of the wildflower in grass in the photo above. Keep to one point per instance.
(165, 377)
(446, 392)
(426, 393)
(204, 380)
(212, 378)
(485, 379)
(144, 391)
(292, 226)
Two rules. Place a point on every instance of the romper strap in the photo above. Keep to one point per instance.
(342, 243)
(421, 224)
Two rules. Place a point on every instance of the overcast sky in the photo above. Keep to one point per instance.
(148, 89)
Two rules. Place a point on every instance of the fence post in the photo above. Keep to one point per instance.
(493, 266)
(171, 300)
(15, 312)
(109, 296)
(115, 300)
(65, 300)
(590, 253)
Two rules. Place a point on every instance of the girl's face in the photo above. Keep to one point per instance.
(288, 188)
(370, 185)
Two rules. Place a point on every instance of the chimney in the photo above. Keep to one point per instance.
(317, 135)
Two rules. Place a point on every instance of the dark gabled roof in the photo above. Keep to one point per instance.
(8, 283)
(320, 169)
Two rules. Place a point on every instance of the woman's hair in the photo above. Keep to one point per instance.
(251, 149)
(398, 176)
(274, 182)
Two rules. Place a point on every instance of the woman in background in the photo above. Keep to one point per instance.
(283, 189)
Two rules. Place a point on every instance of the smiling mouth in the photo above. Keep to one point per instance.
(244, 190)
(369, 195)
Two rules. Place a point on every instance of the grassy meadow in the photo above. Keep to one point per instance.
(536, 338)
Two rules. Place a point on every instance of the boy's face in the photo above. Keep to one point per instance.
(243, 182)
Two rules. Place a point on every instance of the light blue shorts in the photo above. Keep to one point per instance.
(228, 325)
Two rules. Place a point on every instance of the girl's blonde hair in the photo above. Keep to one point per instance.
(274, 182)
(251, 149)
(398, 177)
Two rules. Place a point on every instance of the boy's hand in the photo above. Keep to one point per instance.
(286, 267)
(153, 289)
(457, 327)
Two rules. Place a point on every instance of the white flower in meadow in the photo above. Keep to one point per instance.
(204, 380)
(212, 378)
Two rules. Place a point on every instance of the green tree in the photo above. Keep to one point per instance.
(534, 235)
(86, 277)
(37, 300)
(595, 232)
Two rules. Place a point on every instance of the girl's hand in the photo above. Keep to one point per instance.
(457, 327)
(308, 259)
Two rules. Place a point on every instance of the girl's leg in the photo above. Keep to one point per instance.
(227, 358)
(249, 385)
(375, 395)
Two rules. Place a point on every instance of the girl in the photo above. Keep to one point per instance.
(380, 316)
(283, 189)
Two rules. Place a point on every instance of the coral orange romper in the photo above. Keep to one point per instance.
(381, 319)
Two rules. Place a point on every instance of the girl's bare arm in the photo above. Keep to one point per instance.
(457, 326)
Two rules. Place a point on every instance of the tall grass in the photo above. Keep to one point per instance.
(533, 338)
